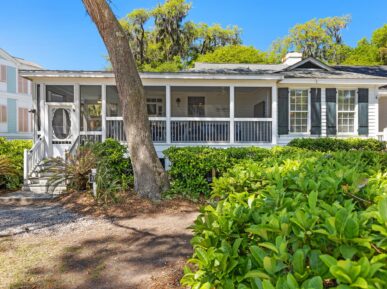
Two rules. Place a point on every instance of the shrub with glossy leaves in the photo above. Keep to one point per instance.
(297, 220)
(334, 144)
(192, 168)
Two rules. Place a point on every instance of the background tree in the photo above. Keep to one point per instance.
(379, 39)
(149, 176)
(173, 43)
(318, 38)
(235, 54)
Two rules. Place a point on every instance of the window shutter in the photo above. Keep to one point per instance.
(283, 111)
(363, 111)
(331, 111)
(3, 73)
(315, 105)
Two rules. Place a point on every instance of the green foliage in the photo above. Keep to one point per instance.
(379, 39)
(298, 219)
(74, 171)
(334, 144)
(364, 53)
(113, 164)
(172, 43)
(318, 38)
(234, 54)
(13, 150)
(192, 166)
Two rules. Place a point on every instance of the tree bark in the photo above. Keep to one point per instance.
(150, 179)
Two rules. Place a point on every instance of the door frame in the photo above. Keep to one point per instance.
(48, 113)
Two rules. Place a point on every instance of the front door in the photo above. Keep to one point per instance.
(60, 129)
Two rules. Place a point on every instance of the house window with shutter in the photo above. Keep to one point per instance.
(23, 85)
(3, 73)
(298, 113)
(23, 119)
(346, 111)
(3, 114)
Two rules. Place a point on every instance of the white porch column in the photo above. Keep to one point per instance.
(77, 112)
(232, 114)
(41, 104)
(103, 112)
(323, 113)
(274, 115)
(168, 112)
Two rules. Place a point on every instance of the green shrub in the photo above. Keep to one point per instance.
(297, 220)
(335, 144)
(14, 149)
(114, 162)
(193, 167)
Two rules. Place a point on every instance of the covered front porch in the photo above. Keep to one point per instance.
(179, 115)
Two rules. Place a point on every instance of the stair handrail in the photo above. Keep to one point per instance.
(34, 156)
(73, 149)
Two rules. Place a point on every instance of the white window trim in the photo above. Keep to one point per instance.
(307, 133)
(356, 120)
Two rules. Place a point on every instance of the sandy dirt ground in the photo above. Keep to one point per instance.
(56, 245)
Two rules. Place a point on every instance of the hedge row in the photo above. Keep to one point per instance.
(334, 144)
(192, 168)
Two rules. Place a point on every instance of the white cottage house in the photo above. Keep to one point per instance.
(221, 105)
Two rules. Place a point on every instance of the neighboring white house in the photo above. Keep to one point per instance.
(221, 105)
(16, 122)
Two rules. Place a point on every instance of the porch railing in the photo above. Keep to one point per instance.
(34, 156)
(115, 130)
(195, 131)
(253, 131)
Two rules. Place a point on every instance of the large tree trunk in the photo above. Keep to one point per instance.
(149, 176)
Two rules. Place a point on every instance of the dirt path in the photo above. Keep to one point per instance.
(54, 248)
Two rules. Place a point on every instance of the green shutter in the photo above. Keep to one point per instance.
(363, 111)
(315, 106)
(283, 111)
(11, 79)
(331, 111)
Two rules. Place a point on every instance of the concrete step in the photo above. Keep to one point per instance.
(24, 198)
(44, 189)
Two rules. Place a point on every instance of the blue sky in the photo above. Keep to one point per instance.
(58, 34)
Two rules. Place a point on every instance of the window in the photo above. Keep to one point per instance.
(3, 114)
(155, 97)
(200, 101)
(23, 119)
(298, 110)
(23, 85)
(196, 106)
(60, 93)
(252, 102)
(3, 73)
(346, 111)
(91, 108)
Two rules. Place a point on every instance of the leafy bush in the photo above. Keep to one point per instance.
(192, 168)
(74, 171)
(334, 144)
(300, 219)
(113, 163)
(13, 149)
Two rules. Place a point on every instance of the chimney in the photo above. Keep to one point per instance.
(292, 58)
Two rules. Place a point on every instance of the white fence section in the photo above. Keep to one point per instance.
(253, 131)
(195, 131)
(115, 130)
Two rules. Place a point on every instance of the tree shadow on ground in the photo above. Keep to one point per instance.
(128, 259)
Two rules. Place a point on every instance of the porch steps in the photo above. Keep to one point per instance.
(40, 181)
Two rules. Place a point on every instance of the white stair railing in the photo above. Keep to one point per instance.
(73, 149)
(34, 156)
